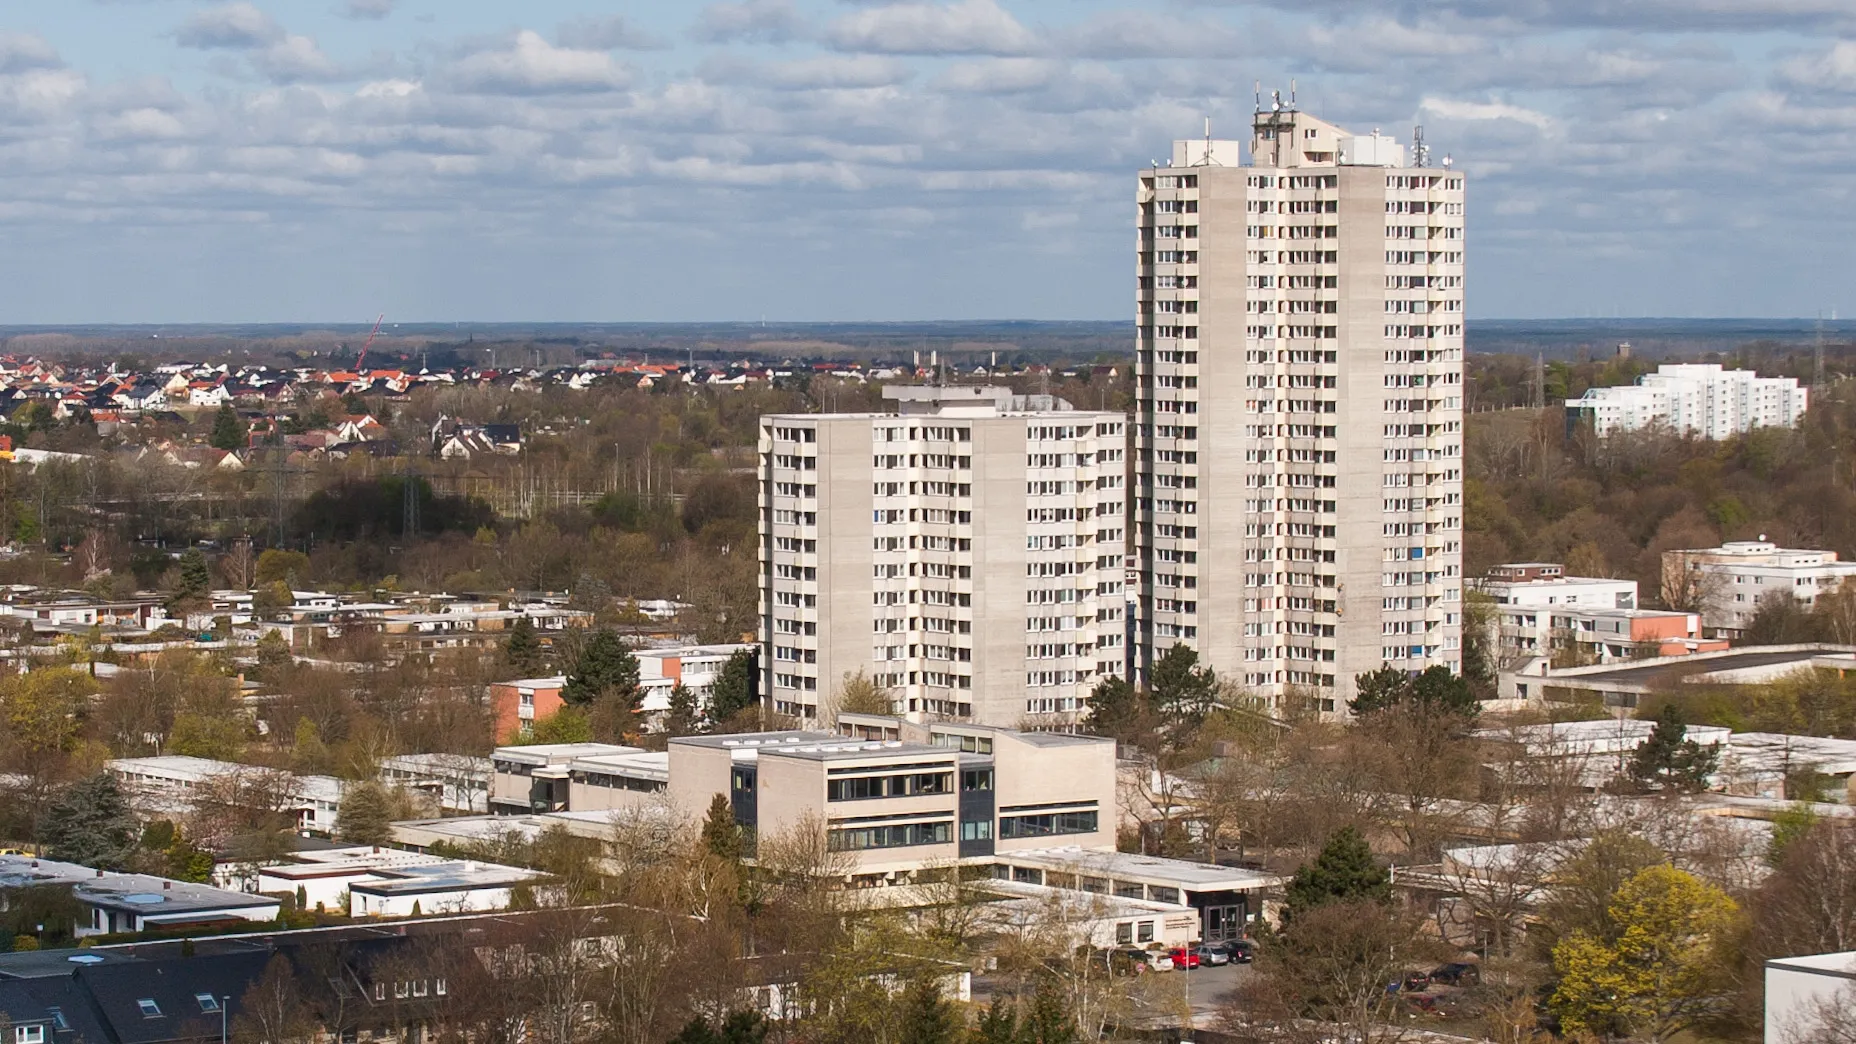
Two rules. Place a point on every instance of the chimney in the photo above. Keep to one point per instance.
(167, 885)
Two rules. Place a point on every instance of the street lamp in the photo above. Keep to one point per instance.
(223, 1002)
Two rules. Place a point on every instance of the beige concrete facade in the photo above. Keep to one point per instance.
(1298, 428)
(964, 551)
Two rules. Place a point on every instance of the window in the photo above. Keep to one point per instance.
(380, 991)
(150, 1010)
(29, 1034)
(976, 830)
(1048, 824)
(976, 779)
(438, 987)
(208, 1002)
(1144, 931)
(1124, 933)
(898, 836)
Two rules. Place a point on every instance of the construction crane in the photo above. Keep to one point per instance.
(362, 361)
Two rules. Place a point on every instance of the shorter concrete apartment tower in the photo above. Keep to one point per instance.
(964, 551)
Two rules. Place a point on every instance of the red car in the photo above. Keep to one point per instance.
(1184, 959)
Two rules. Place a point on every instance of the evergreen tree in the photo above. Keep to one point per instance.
(998, 1024)
(684, 718)
(926, 1016)
(1115, 708)
(721, 835)
(196, 578)
(1049, 1021)
(522, 650)
(1434, 690)
(734, 688)
(605, 669)
(737, 1027)
(90, 824)
(1182, 691)
(1669, 760)
(228, 431)
(1344, 870)
(365, 816)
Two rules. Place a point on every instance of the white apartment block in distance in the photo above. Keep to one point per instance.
(1728, 582)
(1299, 423)
(1695, 399)
(964, 551)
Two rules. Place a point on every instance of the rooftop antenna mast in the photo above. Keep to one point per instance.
(1292, 95)
(1259, 95)
(1420, 152)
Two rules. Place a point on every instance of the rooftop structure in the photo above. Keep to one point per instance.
(116, 902)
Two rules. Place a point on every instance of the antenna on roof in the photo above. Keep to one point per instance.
(1291, 94)
(1259, 95)
(1420, 153)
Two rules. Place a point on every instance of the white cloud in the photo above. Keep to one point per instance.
(1449, 109)
(533, 65)
(295, 59)
(1830, 69)
(368, 9)
(837, 72)
(961, 27)
(1000, 75)
(750, 21)
(22, 51)
(614, 33)
(239, 26)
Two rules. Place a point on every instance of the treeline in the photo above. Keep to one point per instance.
(1610, 507)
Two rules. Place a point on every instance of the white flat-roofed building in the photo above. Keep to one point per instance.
(114, 902)
(695, 667)
(168, 784)
(1728, 582)
(1696, 399)
(459, 782)
(964, 551)
(386, 882)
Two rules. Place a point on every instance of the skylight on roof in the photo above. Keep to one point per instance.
(208, 1002)
(150, 1010)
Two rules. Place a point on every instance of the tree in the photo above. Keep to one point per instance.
(567, 725)
(273, 1010)
(90, 824)
(998, 1024)
(274, 652)
(1822, 1020)
(927, 1017)
(604, 670)
(1585, 883)
(1669, 761)
(684, 718)
(1788, 825)
(858, 693)
(1326, 973)
(733, 689)
(522, 650)
(1435, 688)
(1183, 693)
(275, 565)
(228, 431)
(1115, 709)
(736, 1027)
(1049, 1020)
(1657, 970)
(365, 815)
(721, 834)
(196, 579)
(1345, 871)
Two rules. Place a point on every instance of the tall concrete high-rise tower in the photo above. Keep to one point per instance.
(1298, 507)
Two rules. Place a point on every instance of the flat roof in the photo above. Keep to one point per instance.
(852, 750)
(651, 764)
(1667, 671)
(553, 682)
(543, 753)
(141, 893)
(1179, 873)
(454, 875)
(1778, 752)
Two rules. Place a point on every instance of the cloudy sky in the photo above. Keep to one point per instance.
(324, 160)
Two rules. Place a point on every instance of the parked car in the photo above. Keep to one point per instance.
(1212, 955)
(1184, 958)
(1457, 973)
(1242, 951)
(1138, 961)
(1410, 982)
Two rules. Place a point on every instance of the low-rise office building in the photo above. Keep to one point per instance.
(893, 797)
(386, 882)
(168, 785)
